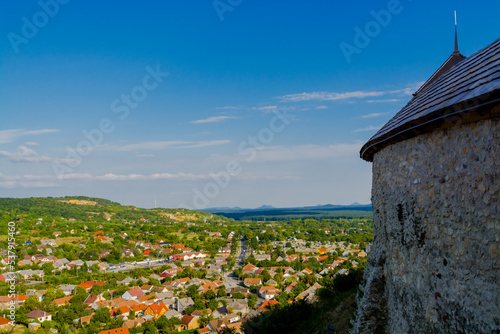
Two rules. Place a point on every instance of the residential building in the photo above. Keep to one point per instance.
(184, 303)
(133, 293)
(189, 322)
(248, 282)
(268, 292)
(39, 315)
(6, 324)
(121, 330)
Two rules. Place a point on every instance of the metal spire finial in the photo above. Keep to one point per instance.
(456, 36)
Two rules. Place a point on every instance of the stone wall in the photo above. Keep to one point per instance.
(435, 261)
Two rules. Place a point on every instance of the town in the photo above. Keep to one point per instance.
(94, 266)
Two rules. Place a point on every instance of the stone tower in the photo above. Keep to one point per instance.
(435, 262)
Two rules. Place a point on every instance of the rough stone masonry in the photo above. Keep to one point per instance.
(435, 262)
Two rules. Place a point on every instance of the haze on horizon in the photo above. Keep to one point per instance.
(223, 104)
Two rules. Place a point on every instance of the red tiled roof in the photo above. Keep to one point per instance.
(121, 330)
(266, 305)
(186, 319)
(63, 300)
(36, 313)
(85, 286)
(136, 291)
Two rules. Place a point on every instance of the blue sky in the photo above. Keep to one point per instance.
(213, 103)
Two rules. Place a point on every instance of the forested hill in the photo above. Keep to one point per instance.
(83, 208)
(308, 212)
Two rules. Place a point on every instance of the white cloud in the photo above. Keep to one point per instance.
(214, 119)
(328, 96)
(145, 155)
(151, 145)
(161, 145)
(334, 96)
(25, 154)
(307, 152)
(207, 143)
(266, 109)
(321, 107)
(31, 143)
(8, 136)
(27, 181)
(383, 101)
(9, 184)
(156, 176)
(369, 128)
(40, 181)
(375, 114)
(254, 177)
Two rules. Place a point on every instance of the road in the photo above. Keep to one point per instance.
(130, 266)
(232, 280)
(243, 253)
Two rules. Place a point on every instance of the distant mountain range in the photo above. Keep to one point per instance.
(353, 206)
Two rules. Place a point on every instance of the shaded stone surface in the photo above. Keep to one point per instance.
(435, 261)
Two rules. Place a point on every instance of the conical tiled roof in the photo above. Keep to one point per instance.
(467, 91)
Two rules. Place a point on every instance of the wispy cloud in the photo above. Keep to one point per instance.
(214, 119)
(39, 181)
(383, 101)
(26, 154)
(44, 181)
(8, 136)
(157, 176)
(335, 96)
(228, 107)
(208, 143)
(375, 114)
(369, 128)
(31, 143)
(133, 176)
(150, 145)
(162, 145)
(307, 152)
(328, 96)
(28, 181)
(321, 107)
(266, 108)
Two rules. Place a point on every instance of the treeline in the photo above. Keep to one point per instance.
(304, 317)
(97, 210)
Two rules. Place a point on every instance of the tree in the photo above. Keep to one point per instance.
(228, 330)
(199, 305)
(96, 289)
(238, 295)
(221, 291)
(59, 293)
(210, 295)
(101, 315)
(278, 278)
(192, 291)
(205, 317)
(282, 297)
(252, 300)
(266, 276)
(47, 268)
(149, 328)
(79, 291)
(213, 304)
(31, 303)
